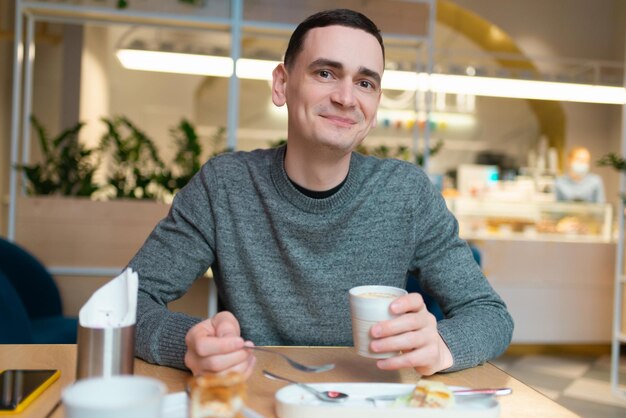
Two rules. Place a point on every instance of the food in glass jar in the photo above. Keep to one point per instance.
(216, 395)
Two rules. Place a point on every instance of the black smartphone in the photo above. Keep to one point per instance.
(18, 388)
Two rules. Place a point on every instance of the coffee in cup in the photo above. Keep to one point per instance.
(369, 305)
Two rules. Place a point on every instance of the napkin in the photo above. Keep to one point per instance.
(113, 305)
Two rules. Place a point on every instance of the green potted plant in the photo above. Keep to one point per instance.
(67, 167)
(187, 160)
(616, 162)
(134, 161)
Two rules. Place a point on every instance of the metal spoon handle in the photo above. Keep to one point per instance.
(277, 377)
(302, 385)
(484, 391)
(326, 396)
(295, 364)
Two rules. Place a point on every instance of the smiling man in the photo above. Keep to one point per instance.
(288, 231)
(332, 95)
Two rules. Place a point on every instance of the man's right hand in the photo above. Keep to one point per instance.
(215, 345)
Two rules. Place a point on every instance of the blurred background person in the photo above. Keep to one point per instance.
(578, 184)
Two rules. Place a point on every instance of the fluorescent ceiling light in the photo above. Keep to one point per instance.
(173, 62)
(527, 89)
(392, 80)
(255, 69)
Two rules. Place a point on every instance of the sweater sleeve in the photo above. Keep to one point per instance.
(177, 252)
(477, 326)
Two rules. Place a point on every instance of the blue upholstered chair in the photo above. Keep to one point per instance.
(35, 293)
(413, 286)
(14, 322)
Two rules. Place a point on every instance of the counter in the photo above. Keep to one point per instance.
(553, 264)
(533, 221)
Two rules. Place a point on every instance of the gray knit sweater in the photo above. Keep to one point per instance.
(283, 262)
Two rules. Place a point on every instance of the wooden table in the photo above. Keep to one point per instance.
(525, 401)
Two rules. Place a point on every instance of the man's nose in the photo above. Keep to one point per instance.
(343, 94)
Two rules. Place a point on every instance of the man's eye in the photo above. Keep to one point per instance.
(324, 74)
(366, 84)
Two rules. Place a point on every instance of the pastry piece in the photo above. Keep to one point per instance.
(430, 394)
(571, 225)
(216, 395)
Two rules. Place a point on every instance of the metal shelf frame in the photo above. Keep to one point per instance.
(619, 338)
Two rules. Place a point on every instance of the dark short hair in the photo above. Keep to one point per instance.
(339, 17)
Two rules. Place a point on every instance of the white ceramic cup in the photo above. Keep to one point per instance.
(117, 396)
(369, 305)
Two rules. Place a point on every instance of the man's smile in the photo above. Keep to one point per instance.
(340, 120)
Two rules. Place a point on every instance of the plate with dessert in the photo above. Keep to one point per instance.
(384, 400)
(176, 405)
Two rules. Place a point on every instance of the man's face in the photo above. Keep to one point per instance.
(332, 89)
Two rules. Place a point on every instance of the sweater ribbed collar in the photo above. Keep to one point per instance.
(303, 202)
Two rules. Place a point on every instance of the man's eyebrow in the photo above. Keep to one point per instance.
(324, 62)
(370, 73)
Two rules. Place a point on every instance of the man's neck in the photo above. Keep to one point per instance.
(316, 170)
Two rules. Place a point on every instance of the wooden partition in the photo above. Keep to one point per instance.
(82, 233)
(79, 232)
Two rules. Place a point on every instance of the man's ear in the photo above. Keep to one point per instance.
(279, 85)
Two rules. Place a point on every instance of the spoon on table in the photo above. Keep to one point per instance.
(326, 396)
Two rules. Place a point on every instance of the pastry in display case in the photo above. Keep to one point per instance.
(569, 221)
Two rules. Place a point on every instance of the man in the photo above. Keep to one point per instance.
(578, 184)
(288, 231)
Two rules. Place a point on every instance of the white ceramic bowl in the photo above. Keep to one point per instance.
(117, 396)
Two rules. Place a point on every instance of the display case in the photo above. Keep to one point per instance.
(551, 221)
(559, 255)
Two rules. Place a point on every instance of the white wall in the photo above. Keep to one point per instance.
(564, 28)
(94, 89)
(47, 99)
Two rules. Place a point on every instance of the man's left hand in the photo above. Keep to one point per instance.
(413, 333)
